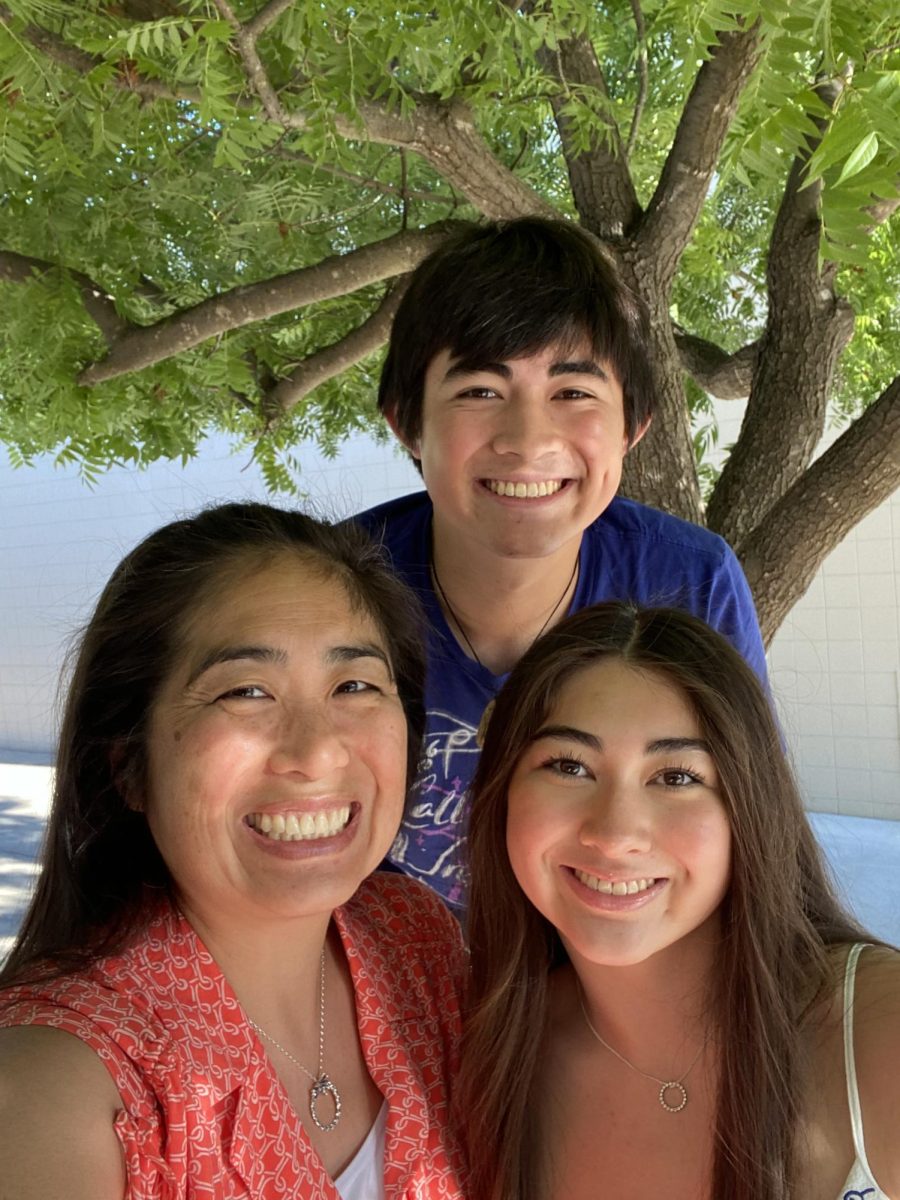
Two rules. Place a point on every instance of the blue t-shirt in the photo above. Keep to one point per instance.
(631, 552)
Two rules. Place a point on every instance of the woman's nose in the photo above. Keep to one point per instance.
(307, 744)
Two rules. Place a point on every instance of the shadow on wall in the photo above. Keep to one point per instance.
(21, 832)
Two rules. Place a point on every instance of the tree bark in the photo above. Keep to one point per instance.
(856, 474)
(807, 328)
(684, 182)
(334, 276)
(602, 187)
(332, 360)
(660, 470)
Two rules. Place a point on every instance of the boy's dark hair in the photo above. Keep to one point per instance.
(507, 290)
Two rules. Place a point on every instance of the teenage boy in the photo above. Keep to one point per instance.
(516, 377)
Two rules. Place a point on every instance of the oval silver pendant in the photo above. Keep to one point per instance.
(679, 1087)
(324, 1087)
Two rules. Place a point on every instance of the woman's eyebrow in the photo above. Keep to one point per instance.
(342, 654)
(223, 654)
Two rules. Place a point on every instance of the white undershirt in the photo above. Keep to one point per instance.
(363, 1176)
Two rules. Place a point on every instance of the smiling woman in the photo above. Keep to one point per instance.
(666, 995)
(211, 985)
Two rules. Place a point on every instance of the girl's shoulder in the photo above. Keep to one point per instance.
(875, 1024)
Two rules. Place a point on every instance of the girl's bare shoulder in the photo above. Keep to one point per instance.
(876, 1041)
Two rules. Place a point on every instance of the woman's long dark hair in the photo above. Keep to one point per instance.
(99, 857)
(779, 916)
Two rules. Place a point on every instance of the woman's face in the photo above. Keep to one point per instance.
(276, 749)
(616, 828)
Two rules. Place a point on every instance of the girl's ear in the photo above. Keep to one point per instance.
(122, 769)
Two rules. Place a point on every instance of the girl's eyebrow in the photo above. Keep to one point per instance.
(570, 733)
(657, 746)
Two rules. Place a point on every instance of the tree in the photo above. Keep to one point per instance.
(209, 207)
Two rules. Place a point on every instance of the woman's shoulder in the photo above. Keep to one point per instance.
(58, 1105)
(876, 1043)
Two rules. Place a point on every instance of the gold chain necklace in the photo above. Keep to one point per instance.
(666, 1085)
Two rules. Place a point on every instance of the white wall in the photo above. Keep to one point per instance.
(835, 664)
(60, 540)
(835, 669)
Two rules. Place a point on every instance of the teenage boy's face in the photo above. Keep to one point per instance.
(521, 456)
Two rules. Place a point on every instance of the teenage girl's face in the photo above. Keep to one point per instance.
(616, 828)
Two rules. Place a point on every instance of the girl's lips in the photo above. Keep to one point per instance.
(607, 903)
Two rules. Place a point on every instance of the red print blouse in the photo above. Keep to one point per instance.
(204, 1116)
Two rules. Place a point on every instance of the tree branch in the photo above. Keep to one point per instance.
(723, 375)
(74, 59)
(21, 268)
(856, 474)
(441, 133)
(807, 328)
(332, 360)
(685, 178)
(602, 187)
(267, 15)
(643, 82)
(334, 276)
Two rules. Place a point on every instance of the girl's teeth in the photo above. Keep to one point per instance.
(302, 827)
(629, 887)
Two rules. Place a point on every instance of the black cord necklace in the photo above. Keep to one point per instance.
(459, 625)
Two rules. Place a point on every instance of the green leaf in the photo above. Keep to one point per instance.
(860, 158)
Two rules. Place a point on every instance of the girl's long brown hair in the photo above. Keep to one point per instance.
(779, 916)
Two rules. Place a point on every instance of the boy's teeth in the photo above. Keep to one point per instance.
(300, 827)
(623, 887)
(502, 487)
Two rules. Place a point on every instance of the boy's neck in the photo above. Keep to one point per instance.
(497, 606)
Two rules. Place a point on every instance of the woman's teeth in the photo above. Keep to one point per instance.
(502, 487)
(624, 887)
(300, 827)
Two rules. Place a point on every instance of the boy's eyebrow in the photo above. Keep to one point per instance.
(581, 366)
(471, 366)
(659, 746)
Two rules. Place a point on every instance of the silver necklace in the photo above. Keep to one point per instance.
(321, 1083)
(459, 625)
(666, 1085)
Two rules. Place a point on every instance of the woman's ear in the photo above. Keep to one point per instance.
(124, 775)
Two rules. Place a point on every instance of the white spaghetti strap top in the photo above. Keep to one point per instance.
(363, 1176)
(860, 1183)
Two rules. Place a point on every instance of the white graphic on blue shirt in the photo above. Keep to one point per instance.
(429, 844)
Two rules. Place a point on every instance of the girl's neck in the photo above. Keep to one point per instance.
(655, 1013)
